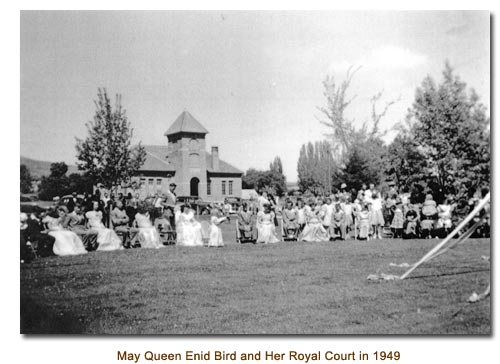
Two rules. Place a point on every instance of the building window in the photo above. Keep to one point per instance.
(223, 187)
(230, 187)
(209, 187)
(158, 184)
(194, 160)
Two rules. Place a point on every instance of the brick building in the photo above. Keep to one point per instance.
(185, 161)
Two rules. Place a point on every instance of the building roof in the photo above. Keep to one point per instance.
(157, 160)
(224, 167)
(186, 123)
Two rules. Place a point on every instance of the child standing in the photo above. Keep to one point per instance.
(214, 232)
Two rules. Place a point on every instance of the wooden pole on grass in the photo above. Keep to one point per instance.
(474, 212)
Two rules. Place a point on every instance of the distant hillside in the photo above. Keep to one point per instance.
(42, 168)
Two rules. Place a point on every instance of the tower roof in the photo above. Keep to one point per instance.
(186, 123)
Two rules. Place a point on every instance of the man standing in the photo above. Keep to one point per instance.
(170, 202)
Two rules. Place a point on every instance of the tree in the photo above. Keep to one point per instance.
(56, 184)
(452, 129)
(106, 154)
(276, 165)
(25, 179)
(272, 180)
(316, 167)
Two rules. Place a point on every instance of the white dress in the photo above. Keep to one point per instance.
(148, 236)
(314, 230)
(266, 232)
(215, 232)
(106, 238)
(66, 242)
(190, 230)
(444, 214)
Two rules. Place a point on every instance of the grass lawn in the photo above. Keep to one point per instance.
(285, 288)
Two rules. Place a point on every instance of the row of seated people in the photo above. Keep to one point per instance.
(63, 233)
(310, 223)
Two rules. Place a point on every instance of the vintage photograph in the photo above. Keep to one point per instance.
(255, 172)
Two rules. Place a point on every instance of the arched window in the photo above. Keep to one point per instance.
(194, 160)
(194, 144)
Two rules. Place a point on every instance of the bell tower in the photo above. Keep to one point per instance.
(186, 145)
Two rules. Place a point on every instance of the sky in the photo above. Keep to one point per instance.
(253, 79)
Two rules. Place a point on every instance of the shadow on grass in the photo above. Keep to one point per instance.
(37, 318)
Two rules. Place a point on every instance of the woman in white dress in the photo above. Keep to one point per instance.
(191, 231)
(314, 230)
(147, 234)
(266, 231)
(66, 241)
(214, 232)
(106, 238)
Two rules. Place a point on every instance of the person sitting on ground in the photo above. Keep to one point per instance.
(266, 231)
(106, 238)
(429, 215)
(245, 224)
(66, 242)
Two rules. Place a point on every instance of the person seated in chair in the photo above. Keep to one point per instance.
(410, 227)
(106, 238)
(245, 223)
(120, 222)
(34, 233)
(429, 215)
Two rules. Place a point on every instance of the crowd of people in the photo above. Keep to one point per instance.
(365, 214)
(105, 222)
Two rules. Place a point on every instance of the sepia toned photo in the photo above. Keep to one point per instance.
(255, 172)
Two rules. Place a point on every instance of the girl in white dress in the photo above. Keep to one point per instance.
(314, 230)
(148, 236)
(191, 231)
(106, 238)
(214, 232)
(66, 241)
(266, 232)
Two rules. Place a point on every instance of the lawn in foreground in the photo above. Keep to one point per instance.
(284, 288)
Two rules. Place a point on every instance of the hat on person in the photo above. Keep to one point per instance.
(343, 185)
(173, 184)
